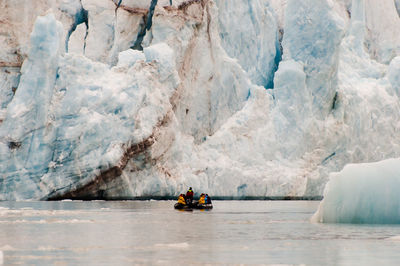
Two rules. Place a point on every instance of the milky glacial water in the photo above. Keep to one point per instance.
(153, 233)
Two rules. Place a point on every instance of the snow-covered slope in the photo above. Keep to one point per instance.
(121, 99)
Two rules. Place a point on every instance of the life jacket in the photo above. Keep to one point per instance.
(201, 200)
(181, 200)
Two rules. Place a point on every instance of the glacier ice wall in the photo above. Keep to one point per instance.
(112, 104)
(317, 48)
(27, 115)
(236, 98)
(258, 56)
(362, 193)
(17, 19)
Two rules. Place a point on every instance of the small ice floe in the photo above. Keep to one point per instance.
(47, 221)
(7, 248)
(393, 238)
(182, 245)
(47, 248)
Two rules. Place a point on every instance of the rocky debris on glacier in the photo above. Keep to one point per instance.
(265, 105)
(362, 193)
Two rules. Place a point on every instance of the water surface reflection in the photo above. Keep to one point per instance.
(152, 232)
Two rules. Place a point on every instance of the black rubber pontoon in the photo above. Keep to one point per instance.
(179, 206)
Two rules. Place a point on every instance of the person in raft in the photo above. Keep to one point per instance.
(189, 196)
(202, 199)
(181, 199)
(207, 199)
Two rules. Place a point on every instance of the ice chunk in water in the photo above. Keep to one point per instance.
(363, 193)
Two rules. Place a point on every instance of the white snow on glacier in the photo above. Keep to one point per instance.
(362, 193)
(236, 98)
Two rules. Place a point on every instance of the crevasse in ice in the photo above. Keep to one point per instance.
(236, 98)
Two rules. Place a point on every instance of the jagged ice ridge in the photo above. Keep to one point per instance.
(123, 99)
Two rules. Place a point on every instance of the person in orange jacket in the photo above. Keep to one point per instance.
(181, 199)
(202, 199)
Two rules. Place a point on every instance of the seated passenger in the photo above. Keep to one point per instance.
(181, 199)
(207, 199)
(201, 200)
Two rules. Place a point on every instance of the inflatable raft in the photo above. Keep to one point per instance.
(179, 206)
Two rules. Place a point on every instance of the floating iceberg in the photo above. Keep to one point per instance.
(363, 193)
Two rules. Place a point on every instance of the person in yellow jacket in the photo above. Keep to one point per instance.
(202, 199)
(181, 199)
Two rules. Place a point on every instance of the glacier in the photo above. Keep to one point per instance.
(235, 98)
(362, 193)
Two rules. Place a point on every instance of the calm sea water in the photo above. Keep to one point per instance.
(153, 233)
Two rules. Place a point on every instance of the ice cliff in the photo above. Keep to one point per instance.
(135, 98)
